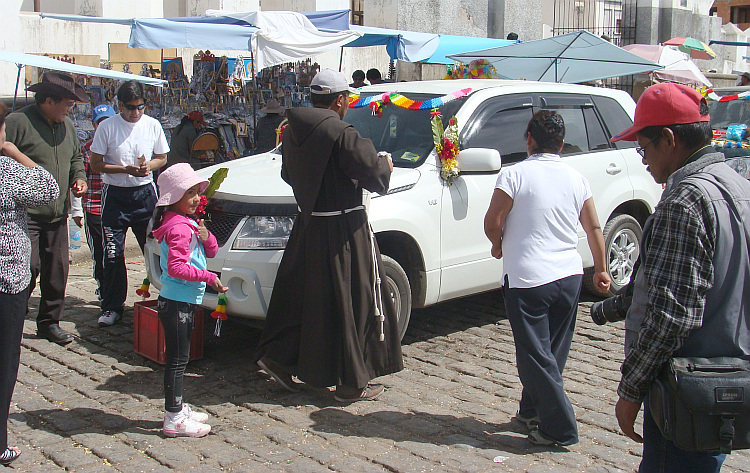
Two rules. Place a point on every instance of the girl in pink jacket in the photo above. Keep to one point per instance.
(185, 244)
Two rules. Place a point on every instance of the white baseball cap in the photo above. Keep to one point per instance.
(329, 81)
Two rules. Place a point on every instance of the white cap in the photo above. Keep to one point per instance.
(329, 81)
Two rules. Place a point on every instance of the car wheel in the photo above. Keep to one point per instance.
(397, 285)
(622, 245)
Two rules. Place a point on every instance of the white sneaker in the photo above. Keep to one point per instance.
(196, 416)
(184, 426)
(109, 317)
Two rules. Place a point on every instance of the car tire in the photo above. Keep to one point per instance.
(397, 285)
(622, 245)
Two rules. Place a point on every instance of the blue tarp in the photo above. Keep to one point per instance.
(233, 31)
(329, 20)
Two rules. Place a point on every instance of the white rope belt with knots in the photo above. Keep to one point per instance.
(377, 291)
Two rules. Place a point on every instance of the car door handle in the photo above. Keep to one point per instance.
(613, 168)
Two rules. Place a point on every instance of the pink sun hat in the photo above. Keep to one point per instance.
(175, 181)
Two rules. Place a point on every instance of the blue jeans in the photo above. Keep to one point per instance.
(543, 319)
(662, 456)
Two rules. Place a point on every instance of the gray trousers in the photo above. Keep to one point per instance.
(543, 319)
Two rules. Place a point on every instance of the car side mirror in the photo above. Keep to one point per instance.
(479, 160)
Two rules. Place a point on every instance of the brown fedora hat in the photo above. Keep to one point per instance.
(60, 84)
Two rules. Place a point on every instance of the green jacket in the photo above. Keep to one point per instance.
(54, 147)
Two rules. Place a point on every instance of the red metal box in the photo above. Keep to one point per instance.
(148, 334)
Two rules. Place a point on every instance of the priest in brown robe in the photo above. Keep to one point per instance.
(331, 320)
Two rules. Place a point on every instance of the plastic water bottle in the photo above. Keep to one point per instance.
(74, 234)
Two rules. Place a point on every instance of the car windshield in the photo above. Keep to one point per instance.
(406, 134)
(733, 112)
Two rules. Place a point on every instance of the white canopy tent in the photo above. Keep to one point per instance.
(21, 59)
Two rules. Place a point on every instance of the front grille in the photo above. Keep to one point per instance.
(222, 225)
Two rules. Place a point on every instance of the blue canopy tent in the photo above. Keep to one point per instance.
(450, 44)
(570, 58)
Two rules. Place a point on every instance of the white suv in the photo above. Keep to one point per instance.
(431, 234)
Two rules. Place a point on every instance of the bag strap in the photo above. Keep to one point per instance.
(726, 434)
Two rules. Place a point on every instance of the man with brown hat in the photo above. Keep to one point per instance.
(43, 132)
(265, 131)
(690, 292)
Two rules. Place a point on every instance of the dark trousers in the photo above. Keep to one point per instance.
(12, 314)
(543, 319)
(177, 320)
(122, 208)
(50, 262)
(662, 456)
(94, 239)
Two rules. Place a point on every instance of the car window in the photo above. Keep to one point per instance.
(616, 119)
(501, 124)
(598, 139)
(575, 131)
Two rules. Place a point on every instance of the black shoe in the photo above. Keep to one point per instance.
(279, 374)
(55, 334)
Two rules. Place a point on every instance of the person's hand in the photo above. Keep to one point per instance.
(386, 155)
(78, 221)
(10, 150)
(218, 286)
(79, 187)
(137, 171)
(497, 251)
(626, 413)
(602, 281)
(203, 232)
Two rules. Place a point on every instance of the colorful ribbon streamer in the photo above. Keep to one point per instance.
(710, 94)
(404, 102)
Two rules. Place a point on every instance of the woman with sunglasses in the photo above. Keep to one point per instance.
(126, 149)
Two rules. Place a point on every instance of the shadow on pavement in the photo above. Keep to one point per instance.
(428, 428)
(85, 420)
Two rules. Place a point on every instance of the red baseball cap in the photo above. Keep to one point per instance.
(665, 104)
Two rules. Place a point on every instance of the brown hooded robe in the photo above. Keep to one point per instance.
(321, 325)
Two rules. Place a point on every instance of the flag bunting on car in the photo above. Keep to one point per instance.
(400, 101)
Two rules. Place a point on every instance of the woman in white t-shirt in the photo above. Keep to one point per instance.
(532, 219)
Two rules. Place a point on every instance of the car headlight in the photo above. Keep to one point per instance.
(264, 233)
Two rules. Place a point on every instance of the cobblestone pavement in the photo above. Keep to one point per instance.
(96, 406)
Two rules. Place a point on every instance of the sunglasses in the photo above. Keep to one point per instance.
(134, 107)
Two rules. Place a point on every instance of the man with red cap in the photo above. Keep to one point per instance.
(690, 295)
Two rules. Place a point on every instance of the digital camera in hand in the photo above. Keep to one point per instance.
(613, 309)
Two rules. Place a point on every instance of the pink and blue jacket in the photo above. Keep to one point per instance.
(183, 258)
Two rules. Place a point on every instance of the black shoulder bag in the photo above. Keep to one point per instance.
(703, 404)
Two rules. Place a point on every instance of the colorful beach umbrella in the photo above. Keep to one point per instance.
(696, 48)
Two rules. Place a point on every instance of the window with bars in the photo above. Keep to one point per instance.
(358, 12)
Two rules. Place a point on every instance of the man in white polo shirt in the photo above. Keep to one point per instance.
(126, 149)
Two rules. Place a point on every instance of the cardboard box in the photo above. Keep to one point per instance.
(148, 333)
